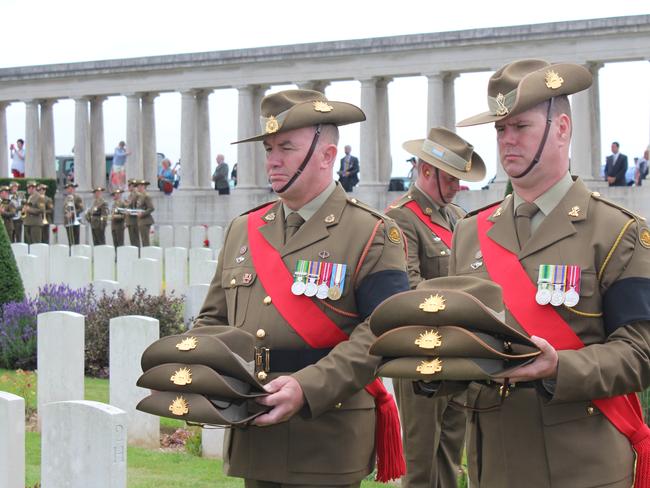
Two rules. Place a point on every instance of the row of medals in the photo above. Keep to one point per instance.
(318, 279)
(558, 284)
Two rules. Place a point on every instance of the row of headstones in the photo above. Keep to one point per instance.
(165, 235)
(128, 266)
(84, 443)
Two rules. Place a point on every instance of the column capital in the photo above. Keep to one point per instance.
(81, 99)
(204, 92)
(48, 102)
(594, 66)
(4, 105)
(318, 85)
(98, 99)
(384, 81)
(149, 96)
(442, 75)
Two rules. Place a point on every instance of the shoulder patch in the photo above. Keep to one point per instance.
(272, 202)
(394, 234)
(644, 237)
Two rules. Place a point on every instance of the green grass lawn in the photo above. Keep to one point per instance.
(146, 468)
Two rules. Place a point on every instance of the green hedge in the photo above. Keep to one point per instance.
(11, 285)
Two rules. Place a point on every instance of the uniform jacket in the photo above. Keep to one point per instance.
(35, 209)
(49, 209)
(353, 177)
(428, 256)
(68, 218)
(97, 214)
(220, 176)
(144, 202)
(553, 435)
(331, 441)
(616, 169)
(18, 202)
(8, 211)
(132, 202)
(117, 217)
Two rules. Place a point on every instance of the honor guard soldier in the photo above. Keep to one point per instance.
(131, 219)
(73, 206)
(49, 214)
(433, 432)
(145, 208)
(18, 199)
(118, 215)
(34, 215)
(7, 210)
(575, 274)
(97, 216)
(303, 273)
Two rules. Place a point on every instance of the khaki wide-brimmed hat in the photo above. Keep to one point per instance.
(117, 191)
(4, 188)
(522, 84)
(98, 188)
(449, 152)
(32, 183)
(71, 185)
(294, 109)
(14, 183)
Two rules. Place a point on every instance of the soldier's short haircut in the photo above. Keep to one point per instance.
(329, 134)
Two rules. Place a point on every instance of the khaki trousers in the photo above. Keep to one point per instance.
(268, 484)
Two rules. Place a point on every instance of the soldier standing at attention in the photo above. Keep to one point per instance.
(34, 211)
(96, 216)
(145, 209)
(7, 210)
(433, 432)
(117, 218)
(132, 219)
(72, 207)
(302, 274)
(49, 214)
(575, 274)
(18, 201)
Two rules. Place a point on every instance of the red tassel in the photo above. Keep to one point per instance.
(388, 436)
(642, 476)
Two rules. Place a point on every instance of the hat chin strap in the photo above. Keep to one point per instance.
(541, 144)
(304, 163)
(439, 187)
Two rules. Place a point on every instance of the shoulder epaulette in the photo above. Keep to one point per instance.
(478, 210)
(596, 196)
(272, 202)
(368, 208)
(399, 202)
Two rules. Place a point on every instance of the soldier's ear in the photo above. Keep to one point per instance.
(328, 154)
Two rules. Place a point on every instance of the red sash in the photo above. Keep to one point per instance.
(438, 230)
(319, 331)
(503, 266)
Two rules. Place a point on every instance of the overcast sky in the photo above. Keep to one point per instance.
(45, 32)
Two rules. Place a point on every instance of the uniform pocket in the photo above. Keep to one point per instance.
(237, 284)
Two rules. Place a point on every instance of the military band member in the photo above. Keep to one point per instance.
(18, 200)
(131, 219)
(49, 214)
(7, 210)
(575, 273)
(97, 216)
(72, 209)
(145, 208)
(118, 216)
(34, 215)
(433, 432)
(302, 274)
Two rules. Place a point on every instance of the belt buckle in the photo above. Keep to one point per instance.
(262, 359)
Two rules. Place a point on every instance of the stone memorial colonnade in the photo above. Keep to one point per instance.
(441, 57)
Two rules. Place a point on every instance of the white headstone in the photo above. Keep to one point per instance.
(205, 273)
(215, 235)
(212, 443)
(198, 257)
(104, 263)
(126, 256)
(165, 236)
(194, 299)
(31, 272)
(83, 444)
(147, 274)
(198, 234)
(59, 254)
(129, 337)
(12, 441)
(105, 286)
(19, 249)
(152, 252)
(79, 272)
(60, 357)
(82, 250)
(42, 251)
(182, 236)
(176, 270)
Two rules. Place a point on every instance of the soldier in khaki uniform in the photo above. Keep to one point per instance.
(131, 219)
(34, 211)
(303, 273)
(7, 210)
(575, 273)
(117, 218)
(145, 207)
(97, 216)
(433, 432)
(18, 200)
(73, 206)
(49, 214)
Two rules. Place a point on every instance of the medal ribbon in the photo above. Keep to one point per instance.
(504, 268)
(444, 234)
(325, 273)
(573, 280)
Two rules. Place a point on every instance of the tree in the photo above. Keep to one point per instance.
(11, 285)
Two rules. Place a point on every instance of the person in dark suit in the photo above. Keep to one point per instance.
(349, 172)
(220, 176)
(616, 167)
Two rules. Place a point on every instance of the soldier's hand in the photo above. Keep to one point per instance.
(543, 367)
(285, 397)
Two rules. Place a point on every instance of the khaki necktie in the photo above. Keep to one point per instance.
(292, 224)
(523, 215)
(446, 216)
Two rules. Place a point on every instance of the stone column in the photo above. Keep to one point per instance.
(188, 139)
(4, 145)
(384, 160)
(261, 180)
(203, 150)
(149, 153)
(97, 150)
(318, 85)
(449, 100)
(368, 152)
(47, 139)
(247, 126)
(594, 119)
(81, 144)
(33, 167)
(435, 100)
(134, 137)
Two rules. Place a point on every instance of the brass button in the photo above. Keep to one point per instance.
(443, 253)
(261, 376)
(353, 200)
(338, 405)
(590, 410)
(261, 333)
(267, 300)
(596, 193)
(233, 282)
